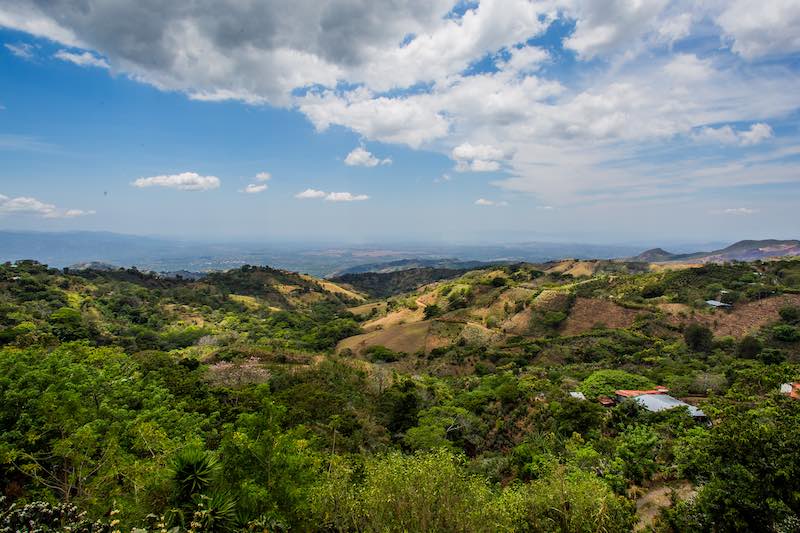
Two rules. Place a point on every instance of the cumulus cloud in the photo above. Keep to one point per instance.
(360, 157)
(83, 59)
(604, 27)
(411, 73)
(757, 133)
(525, 60)
(185, 181)
(490, 203)
(477, 158)
(345, 197)
(26, 205)
(762, 28)
(21, 50)
(254, 188)
(309, 194)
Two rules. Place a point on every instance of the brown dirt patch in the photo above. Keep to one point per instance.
(395, 318)
(657, 498)
(518, 324)
(551, 300)
(587, 313)
(675, 309)
(408, 338)
(333, 288)
(744, 318)
(365, 309)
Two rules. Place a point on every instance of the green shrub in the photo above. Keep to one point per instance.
(605, 382)
(698, 338)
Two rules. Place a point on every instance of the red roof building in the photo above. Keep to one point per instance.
(623, 394)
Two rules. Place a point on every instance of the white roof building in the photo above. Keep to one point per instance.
(655, 403)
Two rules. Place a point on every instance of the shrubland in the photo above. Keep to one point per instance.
(131, 401)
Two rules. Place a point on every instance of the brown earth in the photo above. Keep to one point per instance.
(407, 338)
(365, 309)
(657, 498)
(519, 324)
(744, 318)
(395, 318)
(587, 313)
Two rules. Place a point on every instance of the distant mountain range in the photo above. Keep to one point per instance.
(173, 257)
(748, 250)
(62, 249)
(408, 264)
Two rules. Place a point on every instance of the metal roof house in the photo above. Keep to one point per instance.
(718, 304)
(655, 403)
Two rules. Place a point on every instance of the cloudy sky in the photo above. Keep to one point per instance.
(353, 120)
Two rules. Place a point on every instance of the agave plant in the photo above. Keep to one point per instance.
(193, 472)
(215, 513)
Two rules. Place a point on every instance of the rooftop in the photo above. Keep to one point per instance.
(791, 389)
(625, 393)
(656, 403)
(717, 303)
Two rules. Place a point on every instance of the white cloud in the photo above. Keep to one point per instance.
(345, 197)
(525, 60)
(254, 188)
(490, 203)
(21, 50)
(401, 72)
(757, 133)
(477, 158)
(739, 211)
(331, 196)
(444, 178)
(263, 176)
(412, 120)
(310, 194)
(689, 68)
(604, 27)
(185, 181)
(360, 157)
(762, 28)
(26, 205)
(83, 59)
(72, 213)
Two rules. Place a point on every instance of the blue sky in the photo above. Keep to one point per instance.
(614, 121)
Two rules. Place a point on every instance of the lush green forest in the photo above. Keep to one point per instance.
(242, 402)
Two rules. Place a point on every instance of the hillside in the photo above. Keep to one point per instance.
(259, 399)
(385, 284)
(569, 298)
(748, 250)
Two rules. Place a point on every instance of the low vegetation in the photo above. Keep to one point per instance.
(261, 400)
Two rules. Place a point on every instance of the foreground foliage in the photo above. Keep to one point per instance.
(128, 401)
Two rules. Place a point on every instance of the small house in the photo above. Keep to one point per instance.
(625, 394)
(792, 390)
(605, 401)
(655, 403)
(717, 304)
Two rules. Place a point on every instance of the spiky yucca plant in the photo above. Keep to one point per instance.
(194, 471)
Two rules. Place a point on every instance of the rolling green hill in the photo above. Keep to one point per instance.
(263, 400)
